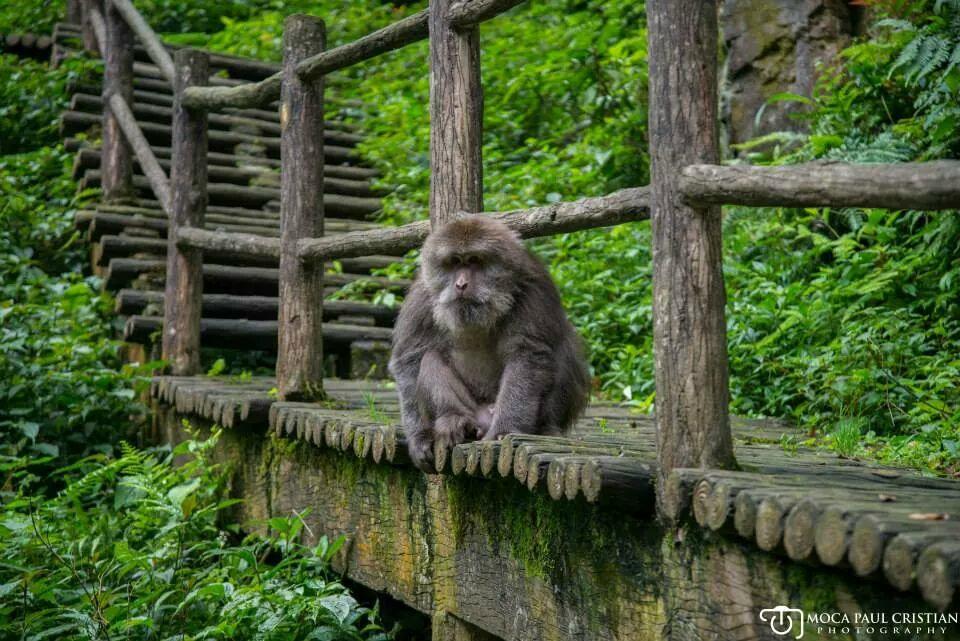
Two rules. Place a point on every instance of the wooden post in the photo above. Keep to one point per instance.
(188, 188)
(456, 117)
(300, 348)
(690, 340)
(88, 33)
(74, 12)
(117, 157)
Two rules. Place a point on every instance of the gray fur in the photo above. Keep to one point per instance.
(493, 355)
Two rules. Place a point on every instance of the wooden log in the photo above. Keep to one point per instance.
(626, 205)
(456, 117)
(869, 537)
(771, 514)
(147, 161)
(901, 554)
(221, 141)
(229, 279)
(300, 349)
(923, 185)
(469, 13)
(232, 244)
(619, 481)
(938, 573)
(799, 529)
(161, 113)
(117, 166)
(183, 293)
(691, 373)
(158, 53)
(233, 160)
(240, 333)
(134, 301)
(74, 14)
(90, 159)
(94, 27)
(392, 37)
(225, 194)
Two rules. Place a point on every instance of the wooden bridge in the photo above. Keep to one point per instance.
(683, 527)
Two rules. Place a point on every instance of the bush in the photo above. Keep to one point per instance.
(132, 550)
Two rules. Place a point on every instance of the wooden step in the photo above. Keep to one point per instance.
(249, 334)
(131, 302)
(229, 279)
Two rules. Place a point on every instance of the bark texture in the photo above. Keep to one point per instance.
(626, 205)
(188, 183)
(914, 185)
(117, 167)
(456, 117)
(690, 341)
(120, 111)
(300, 348)
(155, 49)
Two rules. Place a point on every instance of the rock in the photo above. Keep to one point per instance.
(776, 46)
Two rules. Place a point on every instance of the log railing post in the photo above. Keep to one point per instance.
(188, 188)
(74, 13)
(300, 332)
(117, 157)
(690, 341)
(87, 32)
(456, 117)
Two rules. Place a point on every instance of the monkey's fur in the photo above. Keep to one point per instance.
(482, 346)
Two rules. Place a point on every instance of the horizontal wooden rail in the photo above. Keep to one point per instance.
(155, 49)
(253, 245)
(468, 13)
(924, 185)
(148, 162)
(624, 206)
(395, 36)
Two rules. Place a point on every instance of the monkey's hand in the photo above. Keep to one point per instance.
(452, 429)
(518, 399)
(420, 448)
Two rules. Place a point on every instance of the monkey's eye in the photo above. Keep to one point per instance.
(473, 260)
(455, 260)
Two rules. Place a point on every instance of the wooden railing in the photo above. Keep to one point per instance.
(688, 186)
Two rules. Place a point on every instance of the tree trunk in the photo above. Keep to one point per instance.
(188, 186)
(456, 117)
(690, 342)
(117, 168)
(300, 350)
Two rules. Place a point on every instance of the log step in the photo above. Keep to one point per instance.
(131, 302)
(111, 247)
(228, 279)
(234, 333)
(88, 159)
(75, 122)
(229, 195)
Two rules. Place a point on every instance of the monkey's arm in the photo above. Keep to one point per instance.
(411, 340)
(523, 384)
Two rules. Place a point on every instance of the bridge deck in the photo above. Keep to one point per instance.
(864, 519)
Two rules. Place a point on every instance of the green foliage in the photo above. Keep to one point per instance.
(64, 392)
(31, 16)
(132, 550)
(32, 97)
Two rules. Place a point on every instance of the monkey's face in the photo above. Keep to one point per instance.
(466, 267)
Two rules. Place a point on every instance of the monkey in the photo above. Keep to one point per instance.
(482, 346)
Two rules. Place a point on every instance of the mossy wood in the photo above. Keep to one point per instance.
(488, 551)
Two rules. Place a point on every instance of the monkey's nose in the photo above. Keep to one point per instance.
(461, 284)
